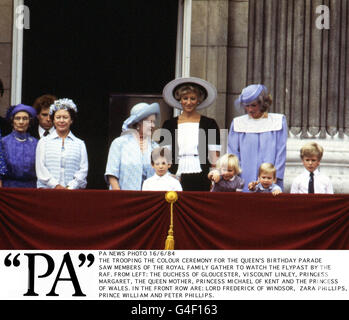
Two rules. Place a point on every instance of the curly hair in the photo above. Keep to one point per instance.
(190, 88)
(43, 102)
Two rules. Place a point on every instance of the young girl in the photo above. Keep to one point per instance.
(225, 177)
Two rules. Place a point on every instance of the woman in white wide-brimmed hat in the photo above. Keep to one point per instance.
(129, 159)
(258, 136)
(195, 138)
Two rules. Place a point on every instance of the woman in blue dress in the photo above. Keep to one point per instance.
(19, 149)
(258, 136)
(129, 155)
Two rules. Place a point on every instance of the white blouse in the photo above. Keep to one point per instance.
(57, 164)
(188, 148)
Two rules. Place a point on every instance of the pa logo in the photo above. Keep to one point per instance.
(65, 264)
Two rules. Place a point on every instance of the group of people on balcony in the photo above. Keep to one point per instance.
(187, 157)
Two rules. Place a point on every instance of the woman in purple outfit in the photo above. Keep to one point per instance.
(19, 149)
(258, 136)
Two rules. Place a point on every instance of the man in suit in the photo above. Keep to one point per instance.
(44, 124)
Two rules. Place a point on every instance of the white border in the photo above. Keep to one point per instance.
(183, 42)
(17, 58)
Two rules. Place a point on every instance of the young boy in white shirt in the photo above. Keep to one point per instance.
(311, 180)
(162, 179)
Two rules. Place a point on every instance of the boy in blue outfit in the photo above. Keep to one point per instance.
(266, 180)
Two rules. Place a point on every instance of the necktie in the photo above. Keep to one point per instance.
(46, 133)
(311, 183)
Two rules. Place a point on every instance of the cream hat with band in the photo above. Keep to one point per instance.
(170, 89)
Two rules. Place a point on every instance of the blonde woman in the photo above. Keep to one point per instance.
(195, 138)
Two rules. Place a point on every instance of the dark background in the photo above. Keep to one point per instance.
(88, 50)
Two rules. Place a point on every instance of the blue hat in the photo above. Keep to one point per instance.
(20, 107)
(139, 112)
(250, 94)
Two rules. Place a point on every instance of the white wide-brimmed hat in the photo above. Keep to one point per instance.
(170, 89)
(139, 112)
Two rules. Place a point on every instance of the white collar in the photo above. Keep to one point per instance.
(157, 177)
(316, 172)
(42, 130)
(273, 122)
(260, 186)
(54, 135)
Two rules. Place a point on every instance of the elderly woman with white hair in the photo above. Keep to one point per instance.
(258, 136)
(129, 158)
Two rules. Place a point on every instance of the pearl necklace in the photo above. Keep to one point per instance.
(20, 137)
(142, 144)
(21, 140)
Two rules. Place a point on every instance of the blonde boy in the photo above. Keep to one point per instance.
(266, 180)
(311, 180)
